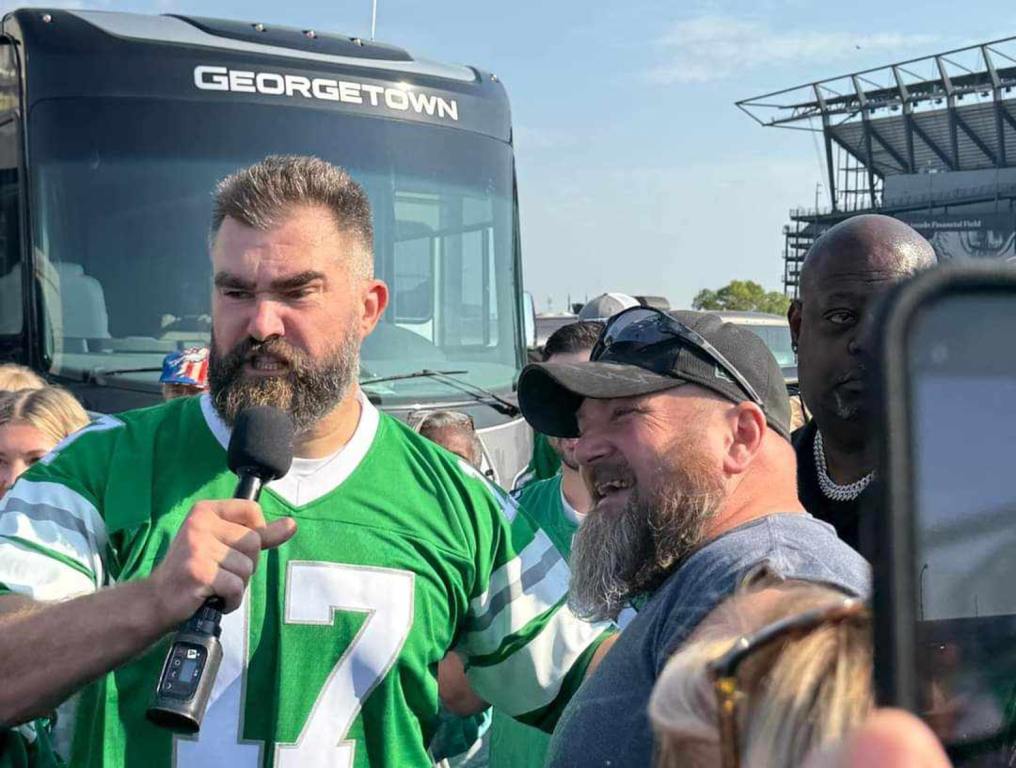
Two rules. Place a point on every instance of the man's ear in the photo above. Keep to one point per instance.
(794, 318)
(748, 424)
(375, 299)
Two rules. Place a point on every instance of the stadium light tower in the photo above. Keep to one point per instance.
(931, 140)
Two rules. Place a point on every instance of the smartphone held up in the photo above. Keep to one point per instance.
(945, 562)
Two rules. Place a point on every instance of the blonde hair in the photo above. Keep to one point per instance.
(14, 376)
(51, 410)
(802, 693)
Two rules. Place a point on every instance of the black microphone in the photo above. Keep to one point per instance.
(260, 450)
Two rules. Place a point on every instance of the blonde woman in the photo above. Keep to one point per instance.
(14, 377)
(775, 673)
(32, 421)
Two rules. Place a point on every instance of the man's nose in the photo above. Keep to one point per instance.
(590, 448)
(266, 321)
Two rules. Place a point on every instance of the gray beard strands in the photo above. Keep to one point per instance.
(618, 556)
(307, 392)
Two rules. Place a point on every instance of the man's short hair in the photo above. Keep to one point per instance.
(261, 195)
(572, 338)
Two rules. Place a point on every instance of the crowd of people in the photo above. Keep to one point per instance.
(684, 587)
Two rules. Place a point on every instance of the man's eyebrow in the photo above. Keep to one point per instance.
(229, 280)
(849, 297)
(299, 280)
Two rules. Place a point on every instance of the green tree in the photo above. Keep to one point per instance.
(742, 296)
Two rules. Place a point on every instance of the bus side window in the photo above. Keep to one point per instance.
(11, 304)
(413, 299)
(416, 255)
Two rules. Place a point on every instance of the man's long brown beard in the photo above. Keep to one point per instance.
(618, 556)
(307, 392)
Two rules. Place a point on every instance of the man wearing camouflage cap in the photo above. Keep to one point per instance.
(683, 430)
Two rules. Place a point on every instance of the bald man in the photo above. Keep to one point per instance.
(844, 271)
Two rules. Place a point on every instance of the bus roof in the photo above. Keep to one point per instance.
(99, 54)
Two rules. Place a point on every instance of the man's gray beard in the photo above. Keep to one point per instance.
(616, 556)
(309, 391)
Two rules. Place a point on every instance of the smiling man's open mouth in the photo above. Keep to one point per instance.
(606, 488)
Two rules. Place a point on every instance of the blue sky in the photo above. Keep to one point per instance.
(636, 171)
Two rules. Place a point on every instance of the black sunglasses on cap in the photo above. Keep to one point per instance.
(646, 337)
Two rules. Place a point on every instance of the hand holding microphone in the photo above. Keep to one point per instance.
(214, 555)
(210, 562)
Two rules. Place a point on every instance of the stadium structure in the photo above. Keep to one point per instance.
(931, 141)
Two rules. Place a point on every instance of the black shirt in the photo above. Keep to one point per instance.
(844, 516)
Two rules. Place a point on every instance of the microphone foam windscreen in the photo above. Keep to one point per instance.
(262, 442)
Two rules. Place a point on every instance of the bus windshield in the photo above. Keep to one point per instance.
(122, 192)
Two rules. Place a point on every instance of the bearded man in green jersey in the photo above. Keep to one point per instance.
(344, 587)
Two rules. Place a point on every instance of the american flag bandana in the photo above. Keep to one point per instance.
(187, 367)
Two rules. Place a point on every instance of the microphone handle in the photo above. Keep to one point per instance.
(249, 486)
(188, 673)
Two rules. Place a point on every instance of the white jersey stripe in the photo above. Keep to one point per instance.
(511, 573)
(519, 603)
(537, 670)
(38, 576)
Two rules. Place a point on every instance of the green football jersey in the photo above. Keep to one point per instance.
(543, 502)
(514, 744)
(402, 552)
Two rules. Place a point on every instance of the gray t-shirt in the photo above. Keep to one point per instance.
(606, 723)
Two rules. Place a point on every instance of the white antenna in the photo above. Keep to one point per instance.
(373, 18)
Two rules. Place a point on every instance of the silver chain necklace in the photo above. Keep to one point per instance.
(830, 489)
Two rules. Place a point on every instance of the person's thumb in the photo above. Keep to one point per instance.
(277, 532)
(889, 738)
(893, 737)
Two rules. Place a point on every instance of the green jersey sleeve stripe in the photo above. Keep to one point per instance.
(64, 523)
(539, 588)
(538, 669)
(38, 576)
(70, 562)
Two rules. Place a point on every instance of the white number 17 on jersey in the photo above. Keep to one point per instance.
(314, 591)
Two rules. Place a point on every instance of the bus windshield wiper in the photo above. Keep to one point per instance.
(451, 378)
(95, 372)
(103, 378)
(425, 373)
